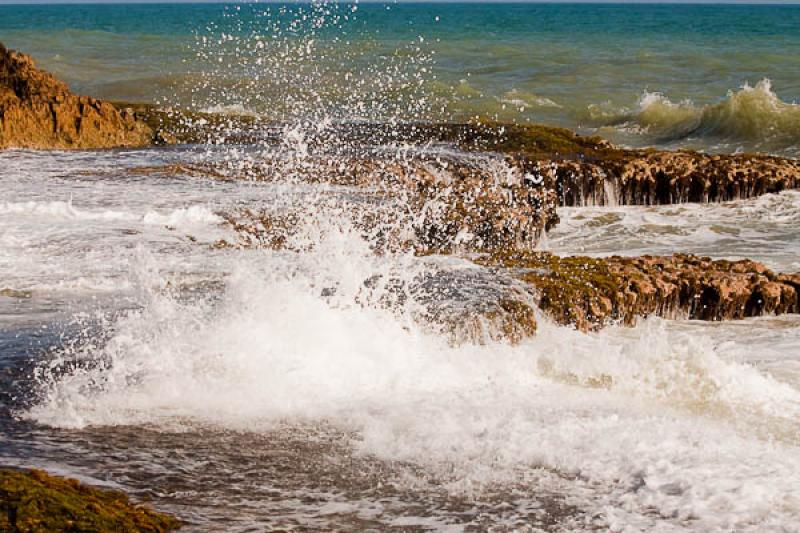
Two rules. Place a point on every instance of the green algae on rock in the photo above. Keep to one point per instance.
(34, 501)
(589, 293)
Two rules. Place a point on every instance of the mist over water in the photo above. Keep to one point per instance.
(245, 386)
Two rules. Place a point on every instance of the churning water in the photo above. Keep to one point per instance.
(250, 387)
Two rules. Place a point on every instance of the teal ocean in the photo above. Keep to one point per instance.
(720, 78)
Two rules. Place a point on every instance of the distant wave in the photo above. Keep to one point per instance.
(525, 99)
(752, 114)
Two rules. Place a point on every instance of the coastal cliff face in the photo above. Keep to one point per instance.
(39, 111)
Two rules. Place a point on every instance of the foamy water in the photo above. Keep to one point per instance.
(246, 388)
(232, 369)
(764, 229)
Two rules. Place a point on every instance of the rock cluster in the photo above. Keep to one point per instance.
(34, 501)
(39, 111)
(433, 199)
(589, 293)
(580, 170)
(653, 178)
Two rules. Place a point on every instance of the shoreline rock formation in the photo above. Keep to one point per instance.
(32, 501)
(39, 111)
(589, 293)
(485, 190)
(581, 170)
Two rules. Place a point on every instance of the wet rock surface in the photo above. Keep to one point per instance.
(34, 501)
(39, 111)
(462, 205)
(580, 170)
(447, 203)
(589, 293)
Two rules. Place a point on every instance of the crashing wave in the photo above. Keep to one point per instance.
(752, 114)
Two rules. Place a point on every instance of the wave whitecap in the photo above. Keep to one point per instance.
(753, 115)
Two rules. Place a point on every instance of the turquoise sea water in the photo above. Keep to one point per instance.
(669, 75)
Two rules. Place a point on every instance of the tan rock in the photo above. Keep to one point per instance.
(589, 293)
(39, 111)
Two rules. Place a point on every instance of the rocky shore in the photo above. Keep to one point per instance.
(39, 111)
(34, 501)
(483, 191)
(589, 293)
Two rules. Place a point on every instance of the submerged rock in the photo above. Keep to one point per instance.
(34, 501)
(39, 111)
(589, 293)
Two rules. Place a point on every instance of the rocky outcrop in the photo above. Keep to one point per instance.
(39, 111)
(589, 293)
(34, 501)
(580, 170)
(590, 171)
(654, 178)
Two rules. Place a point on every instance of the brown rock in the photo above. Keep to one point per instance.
(590, 292)
(39, 111)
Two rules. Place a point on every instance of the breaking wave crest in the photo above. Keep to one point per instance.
(754, 115)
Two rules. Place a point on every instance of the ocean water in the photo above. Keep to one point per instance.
(718, 78)
(247, 389)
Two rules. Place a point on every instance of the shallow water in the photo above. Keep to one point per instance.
(764, 229)
(246, 388)
(670, 76)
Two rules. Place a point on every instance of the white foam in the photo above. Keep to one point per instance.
(196, 214)
(60, 209)
(652, 425)
(737, 229)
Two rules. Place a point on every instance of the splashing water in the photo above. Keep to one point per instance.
(302, 383)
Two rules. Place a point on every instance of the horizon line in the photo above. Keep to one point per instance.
(399, 2)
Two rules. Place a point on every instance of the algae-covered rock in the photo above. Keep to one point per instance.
(589, 293)
(34, 501)
(579, 170)
(39, 111)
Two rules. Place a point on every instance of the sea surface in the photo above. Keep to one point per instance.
(716, 77)
(247, 389)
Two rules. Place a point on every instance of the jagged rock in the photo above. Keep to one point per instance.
(39, 111)
(591, 171)
(34, 501)
(592, 292)
(652, 178)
